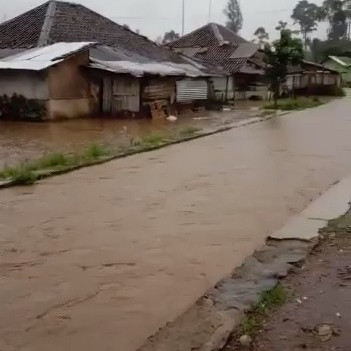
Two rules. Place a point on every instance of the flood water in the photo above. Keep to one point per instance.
(21, 141)
(101, 258)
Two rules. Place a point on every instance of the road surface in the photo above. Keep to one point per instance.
(101, 258)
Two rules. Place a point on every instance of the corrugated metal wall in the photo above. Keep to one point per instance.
(190, 90)
(121, 94)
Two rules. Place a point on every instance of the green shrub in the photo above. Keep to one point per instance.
(154, 139)
(95, 151)
(52, 160)
(189, 131)
(18, 107)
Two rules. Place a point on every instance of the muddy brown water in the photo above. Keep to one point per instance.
(20, 141)
(101, 258)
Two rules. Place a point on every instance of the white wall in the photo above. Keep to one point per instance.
(32, 85)
(220, 87)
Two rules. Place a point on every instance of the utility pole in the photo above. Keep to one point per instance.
(183, 18)
(210, 11)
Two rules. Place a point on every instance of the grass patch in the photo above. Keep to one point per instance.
(95, 151)
(52, 160)
(268, 301)
(154, 139)
(188, 132)
(294, 104)
(21, 174)
(29, 172)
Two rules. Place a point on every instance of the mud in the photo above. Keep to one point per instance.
(103, 257)
(317, 315)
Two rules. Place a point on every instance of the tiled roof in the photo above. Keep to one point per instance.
(209, 35)
(24, 30)
(58, 21)
(217, 45)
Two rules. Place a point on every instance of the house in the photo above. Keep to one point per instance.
(132, 85)
(341, 64)
(52, 77)
(221, 47)
(312, 78)
(126, 72)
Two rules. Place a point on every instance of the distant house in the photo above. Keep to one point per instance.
(129, 74)
(341, 64)
(312, 78)
(52, 76)
(241, 60)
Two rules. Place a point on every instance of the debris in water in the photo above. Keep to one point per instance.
(324, 332)
(245, 340)
(172, 118)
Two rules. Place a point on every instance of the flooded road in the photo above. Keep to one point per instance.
(21, 141)
(101, 258)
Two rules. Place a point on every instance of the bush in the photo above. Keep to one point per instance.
(95, 151)
(18, 107)
(154, 139)
(294, 104)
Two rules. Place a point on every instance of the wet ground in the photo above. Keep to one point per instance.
(20, 141)
(103, 257)
(317, 315)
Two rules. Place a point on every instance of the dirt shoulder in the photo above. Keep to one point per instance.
(317, 313)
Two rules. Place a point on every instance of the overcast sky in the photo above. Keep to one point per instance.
(154, 17)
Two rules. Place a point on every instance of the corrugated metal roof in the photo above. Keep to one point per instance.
(343, 61)
(41, 58)
(139, 69)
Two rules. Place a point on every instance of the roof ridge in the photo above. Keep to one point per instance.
(49, 17)
(23, 13)
(217, 33)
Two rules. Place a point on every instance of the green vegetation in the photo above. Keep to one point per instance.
(21, 174)
(18, 107)
(288, 50)
(95, 151)
(294, 104)
(29, 172)
(155, 139)
(269, 300)
(189, 131)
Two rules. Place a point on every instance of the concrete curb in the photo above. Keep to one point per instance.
(207, 325)
(51, 173)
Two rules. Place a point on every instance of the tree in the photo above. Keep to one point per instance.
(278, 56)
(170, 36)
(234, 14)
(307, 15)
(321, 50)
(335, 12)
(281, 25)
(262, 36)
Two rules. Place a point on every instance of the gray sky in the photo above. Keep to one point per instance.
(154, 17)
